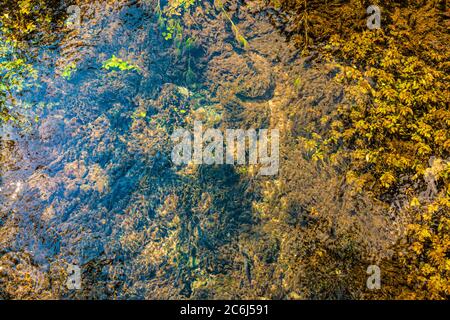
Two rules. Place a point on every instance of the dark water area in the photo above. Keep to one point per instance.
(87, 179)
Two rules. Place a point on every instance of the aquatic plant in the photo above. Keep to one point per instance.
(68, 70)
(169, 19)
(15, 74)
(393, 119)
(237, 33)
(23, 19)
(23, 23)
(115, 63)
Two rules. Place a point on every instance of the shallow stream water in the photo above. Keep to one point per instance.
(86, 180)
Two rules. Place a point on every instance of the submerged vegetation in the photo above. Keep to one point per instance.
(23, 25)
(117, 63)
(15, 73)
(395, 118)
(364, 175)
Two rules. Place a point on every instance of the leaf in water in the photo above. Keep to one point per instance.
(117, 63)
(68, 70)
